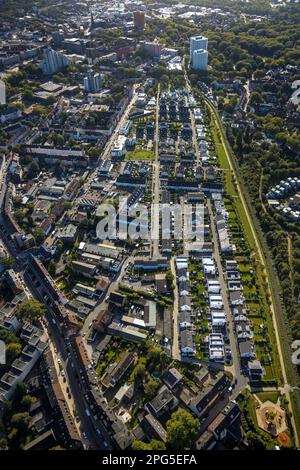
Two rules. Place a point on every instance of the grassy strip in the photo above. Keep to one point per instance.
(295, 400)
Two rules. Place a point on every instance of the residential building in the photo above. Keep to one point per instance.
(127, 332)
(52, 155)
(92, 83)
(61, 412)
(67, 234)
(102, 321)
(53, 61)
(44, 441)
(119, 147)
(13, 281)
(20, 368)
(246, 349)
(153, 48)
(85, 269)
(139, 20)
(216, 347)
(144, 264)
(200, 59)
(58, 37)
(201, 404)
(112, 377)
(153, 428)
(9, 114)
(187, 345)
(196, 43)
(2, 92)
(219, 426)
(172, 377)
(255, 370)
(163, 403)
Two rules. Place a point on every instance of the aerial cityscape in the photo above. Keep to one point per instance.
(149, 225)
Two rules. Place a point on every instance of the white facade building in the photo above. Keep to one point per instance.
(153, 48)
(2, 92)
(119, 147)
(53, 61)
(199, 59)
(198, 52)
(92, 83)
(196, 43)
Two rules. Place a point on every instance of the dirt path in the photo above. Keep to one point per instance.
(261, 178)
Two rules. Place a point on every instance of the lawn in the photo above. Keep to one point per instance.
(140, 154)
(268, 396)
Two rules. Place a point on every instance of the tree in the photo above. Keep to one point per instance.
(153, 355)
(21, 421)
(26, 402)
(28, 95)
(7, 261)
(182, 429)
(257, 441)
(139, 373)
(154, 444)
(57, 139)
(33, 169)
(66, 205)
(3, 444)
(13, 350)
(30, 310)
(52, 267)
(39, 235)
(150, 388)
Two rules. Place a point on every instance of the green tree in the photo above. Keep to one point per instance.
(150, 388)
(7, 261)
(33, 169)
(30, 310)
(13, 350)
(3, 444)
(21, 421)
(153, 445)
(52, 266)
(39, 235)
(139, 373)
(26, 402)
(182, 429)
